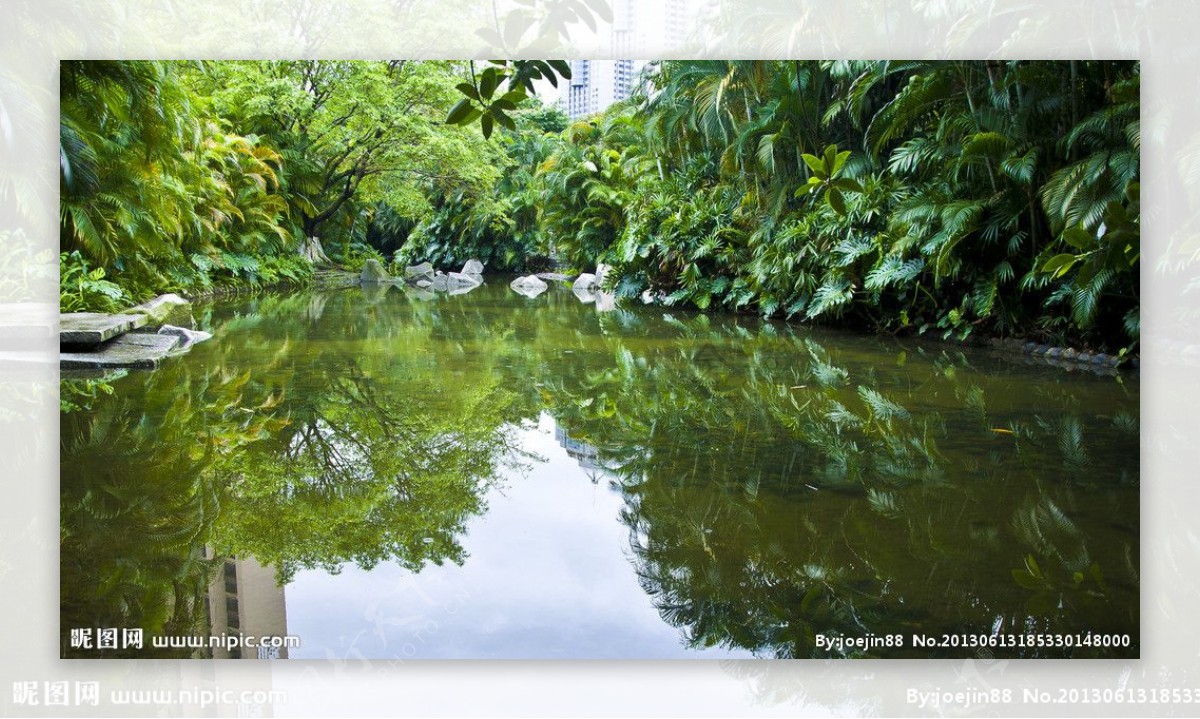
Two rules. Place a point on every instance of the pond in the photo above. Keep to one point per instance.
(385, 474)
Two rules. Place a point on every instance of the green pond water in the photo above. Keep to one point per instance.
(487, 475)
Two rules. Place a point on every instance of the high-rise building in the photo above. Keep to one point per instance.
(596, 84)
(244, 599)
(650, 29)
(639, 29)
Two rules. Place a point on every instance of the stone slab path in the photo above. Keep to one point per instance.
(131, 350)
(89, 329)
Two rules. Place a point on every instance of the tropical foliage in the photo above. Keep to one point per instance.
(994, 197)
(188, 176)
(952, 197)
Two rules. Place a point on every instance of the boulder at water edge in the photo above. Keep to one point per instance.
(416, 273)
(585, 283)
(159, 308)
(554, 276)
(473, 267)
(373, 272)
(458, 280)
(530, 286)
(602, 271)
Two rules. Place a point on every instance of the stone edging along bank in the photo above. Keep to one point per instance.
(1063, 355)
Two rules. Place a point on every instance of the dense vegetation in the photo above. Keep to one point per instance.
(190, 176)
(996, 197)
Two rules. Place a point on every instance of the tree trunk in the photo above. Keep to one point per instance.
(311, 250)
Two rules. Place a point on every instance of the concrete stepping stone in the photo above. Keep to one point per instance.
(88, 329)
(130, 350)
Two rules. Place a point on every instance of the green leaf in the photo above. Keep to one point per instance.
(1058, 265)
(809, 187)
(1025, 580)
(562, 66)
(830, 159)
(504, 120)
(814, 163)
(1078, 238)
(840, 161)
(1020, 167)
(1042, 604)
(468, 89)
(486, 125)
(459, 112)
(488, 82)
(836, 201)
(514, 96)
(845, 183)
(1133, 191)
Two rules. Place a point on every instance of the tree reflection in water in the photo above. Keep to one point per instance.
(287, 447)
(778, 484)
(770, 501)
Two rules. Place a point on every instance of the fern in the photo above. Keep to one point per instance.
(852, 249)
(832, 295)
(893, 270)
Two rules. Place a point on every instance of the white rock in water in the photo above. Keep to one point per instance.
(372, 271)
(585, 282)
(602, 271)
(423, 271)
(440, 282)
(473, 267)
(463, 289)
(187, 337)
(458, 279)
(530, 286)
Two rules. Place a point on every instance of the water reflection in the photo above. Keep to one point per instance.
(774, 497)
(774, 483)
(288, 445)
